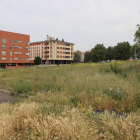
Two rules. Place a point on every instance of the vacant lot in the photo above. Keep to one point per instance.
(64, 99)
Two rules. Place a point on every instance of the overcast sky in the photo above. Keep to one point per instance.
(83, 22)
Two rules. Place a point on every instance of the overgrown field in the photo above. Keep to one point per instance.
(64, 98)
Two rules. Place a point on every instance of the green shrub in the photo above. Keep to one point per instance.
(114, 94)
(114, 68)
(53, 109)
(74, 101)
(22, 88)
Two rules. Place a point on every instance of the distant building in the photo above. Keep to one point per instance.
(52, 51)
(82, 56)
(14, 50)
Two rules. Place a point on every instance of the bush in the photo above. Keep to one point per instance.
(115, 94)
(114, 68)
(22, 88)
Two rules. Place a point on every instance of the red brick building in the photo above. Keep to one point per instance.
(14, 50)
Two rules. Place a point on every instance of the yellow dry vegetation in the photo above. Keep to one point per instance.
(63, 100)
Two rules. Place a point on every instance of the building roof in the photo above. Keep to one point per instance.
(80, 52)
(50, 41)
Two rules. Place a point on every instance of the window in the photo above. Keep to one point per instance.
(67, 56)
(67, 44)
(15, 41)
(3, 52)
(3, 46)
(20, 47)
(27, 48)
(16, 58)
(67, 52)
(10, 47)
(11, 59)
(15, 46)
(17, 52)
(57, 43)
(3, 40)
(57, 56)
(57, 51)
(50, 47)
(19, 58)
(10, 53)
(11, 41)
(71, 57)
(27, 54)
(57, 47)
(67, 48)
(27, 43)
(20, 41)
(47, 47)
(3, 58)
(61, 52)
(50, 56)
(27, 59)
(71, 45)
(50, 43)
(50, 51)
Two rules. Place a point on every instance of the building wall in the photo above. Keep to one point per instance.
(51, 50)
(14, 54)
(82, 55)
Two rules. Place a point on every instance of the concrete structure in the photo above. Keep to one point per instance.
(52, 51)
(14, 50)
(82, 56)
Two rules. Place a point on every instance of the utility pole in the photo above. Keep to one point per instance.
(135, 52)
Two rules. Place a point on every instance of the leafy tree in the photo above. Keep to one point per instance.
(137, 35)
(87, 56)
(98, 53)
(134, 48)
(122, 51)
(37, 60)
(77, 56)
(110, 53)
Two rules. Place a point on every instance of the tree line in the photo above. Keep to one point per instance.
(122, 51)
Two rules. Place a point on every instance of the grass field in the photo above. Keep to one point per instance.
(63, 100)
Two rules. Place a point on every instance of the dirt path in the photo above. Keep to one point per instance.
(4, 98)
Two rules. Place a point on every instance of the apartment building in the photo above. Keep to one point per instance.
(52, 51)
(82, 54)
(14, 50)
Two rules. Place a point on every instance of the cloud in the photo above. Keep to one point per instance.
(84, 23)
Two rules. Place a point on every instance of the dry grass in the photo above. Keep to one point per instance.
(65, 100)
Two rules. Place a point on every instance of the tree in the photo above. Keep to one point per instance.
(77, 56)
(122, 51)
(137, 35)
(110, 53)
(98, 53)
(136, 46)
(135, 49)
(37, 60)
(87, 57)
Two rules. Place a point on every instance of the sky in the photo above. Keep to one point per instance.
(83, 22)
